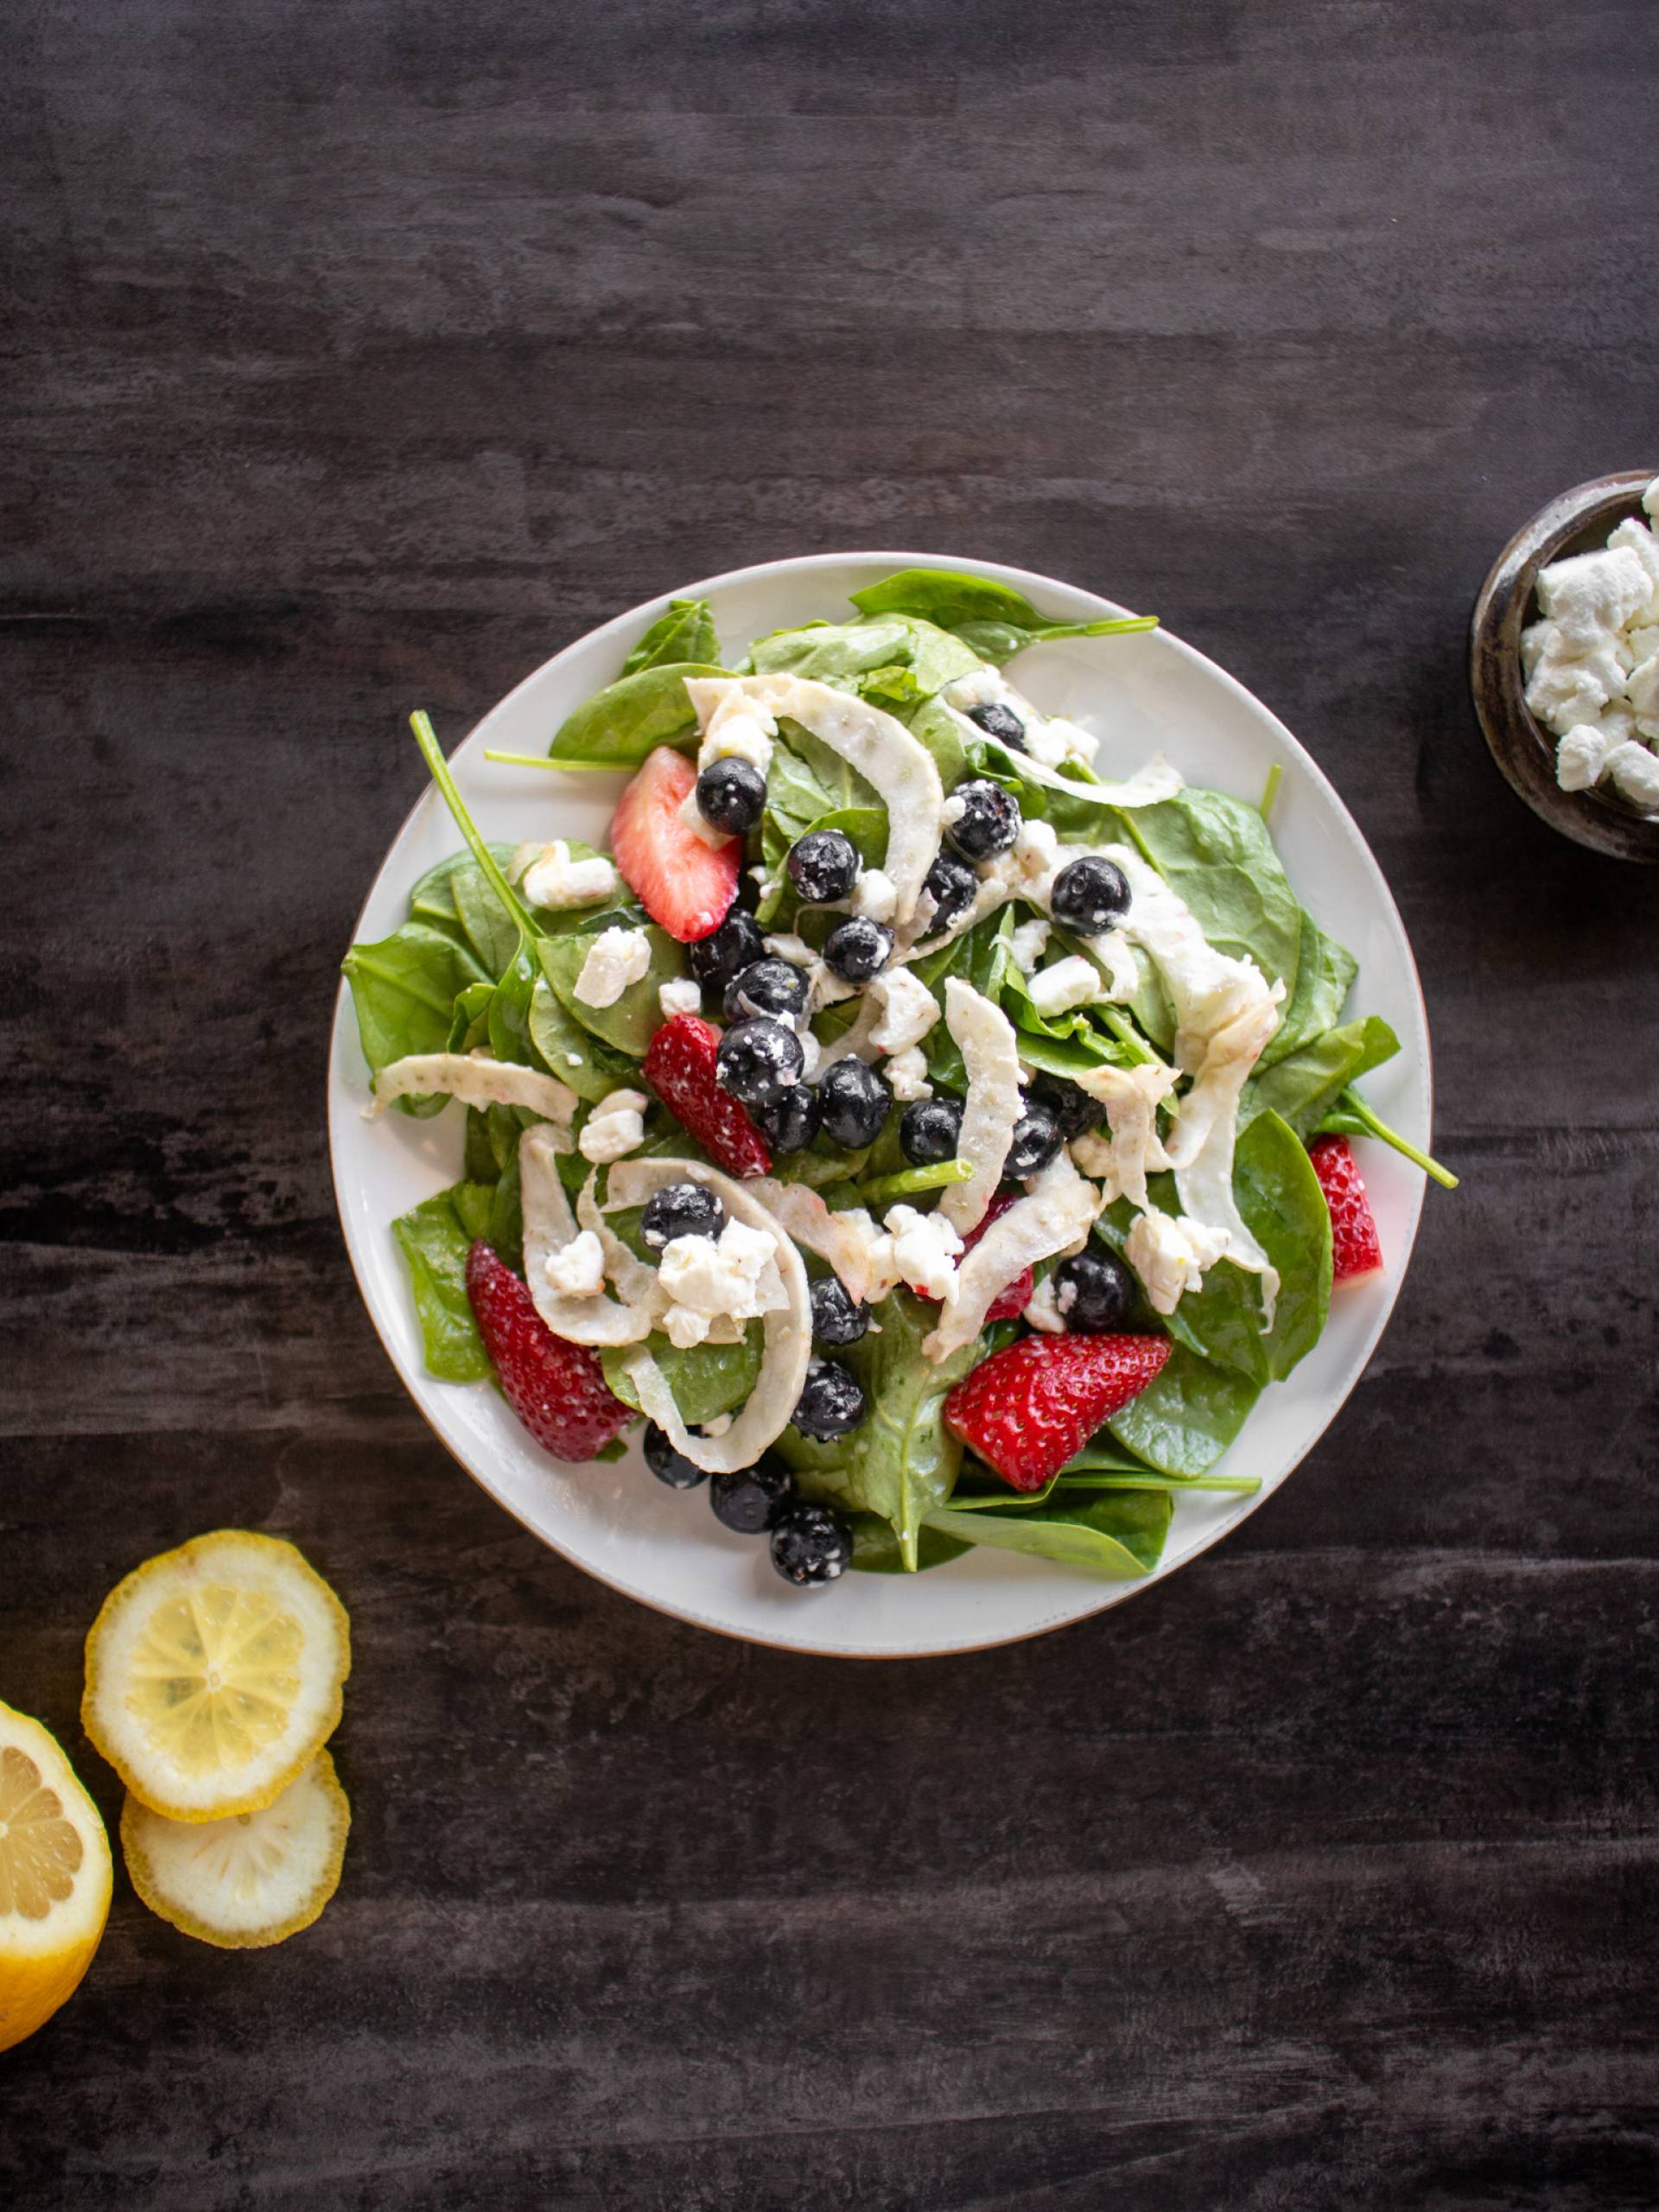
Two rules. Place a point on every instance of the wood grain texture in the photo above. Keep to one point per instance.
(365, 355)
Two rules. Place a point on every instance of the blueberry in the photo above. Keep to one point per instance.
(1091, 895)
(1071, 1106)
(1094, 1290)
(790, 1120)
(824, 866)
(769, 986)
(735, 944)
(751, 1498)
(950, 884)
(680, 1209)
(988, 823)
(758, 1060)
(731, 794)
(929, 1131)
(831, 1402)
(668, 1465)
(1000, 722)
(852, 1102)
(1035, 1140)
(837, 1317)
(811, 1546)
(857, 949)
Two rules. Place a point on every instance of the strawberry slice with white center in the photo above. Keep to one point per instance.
(682, 883)
(1356, 1248)
(1014, 1297)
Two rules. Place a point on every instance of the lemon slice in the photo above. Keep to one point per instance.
(54, 1878)
(248, 1880)
(214, 1674)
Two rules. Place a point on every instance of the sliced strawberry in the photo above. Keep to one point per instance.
(1028, 1407)
(1356, 1248)
(558, 1389)
(1013, 1299)
(682, 883)
(680, 1068)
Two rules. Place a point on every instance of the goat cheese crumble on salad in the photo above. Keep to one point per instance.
(938, 1143)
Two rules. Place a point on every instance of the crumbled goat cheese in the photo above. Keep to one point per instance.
(616, 958)
(738, 727)
(732, 1277)
(906, 1075)
(554, 879)
(1170, 1256)
(1581, 757)
(693, 817)
(1045, 1310)
(908, 1010)
(718, 1426)
(1028, 944)
(1592, 665)
(615, 1128)
(812, 1055)
(925, 1250)
(1635, 771)
(1069, 982)
(680, 995)
(873, 896)
(577, 1270)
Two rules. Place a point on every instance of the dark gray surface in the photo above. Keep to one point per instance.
(363, 355)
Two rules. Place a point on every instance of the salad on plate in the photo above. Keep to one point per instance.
(935, 1132)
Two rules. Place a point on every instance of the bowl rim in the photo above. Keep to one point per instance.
(1102, 1596)
(1601, 819)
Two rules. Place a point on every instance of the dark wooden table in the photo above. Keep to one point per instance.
(363, 355)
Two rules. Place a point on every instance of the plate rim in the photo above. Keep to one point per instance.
(1100, 1596)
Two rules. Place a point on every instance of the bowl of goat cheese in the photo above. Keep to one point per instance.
(1565, 664)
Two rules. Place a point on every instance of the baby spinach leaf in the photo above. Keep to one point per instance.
(434, 1239)
(470, 1024)
(901, 1460)
(1351, 1117)
(506, 1229)
(592, 1068)
(1304, 1085)
(706, 1380)
(868, 827)
(1279, 1197)
(1216, 854)
(1325, 972)
(993, 619)
(632, 716)
(895, 688)
(404, 990)
(1121, 1533)
(935, 726)
(876, 1549)
(456, 896)
(631, 1022)
(509, 1014)
(1185, 1419)
(685, 633)
(981, 956)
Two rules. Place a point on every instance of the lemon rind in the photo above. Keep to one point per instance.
(141, 1784)
(142, 1874)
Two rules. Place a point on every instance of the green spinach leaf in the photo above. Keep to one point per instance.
(876, 1548)
(1216, 854)
(632, 716)
(592, 1068)
(631, 1022)
(706, 1380)
(404, 990)
(901, 1460)
(1120, 1533)
(993, 619)
(1186, 1419)
(1324, 973)
(434, 1239)
(1306, 1085)
(685, 634)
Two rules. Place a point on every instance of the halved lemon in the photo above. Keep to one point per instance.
(54, 1877)
(214, 1674)
(248, 1880)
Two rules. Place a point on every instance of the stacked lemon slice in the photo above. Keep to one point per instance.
(214, 1680)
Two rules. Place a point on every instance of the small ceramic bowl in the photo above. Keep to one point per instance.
(1577, 522)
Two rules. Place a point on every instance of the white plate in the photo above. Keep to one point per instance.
(1142, 693)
